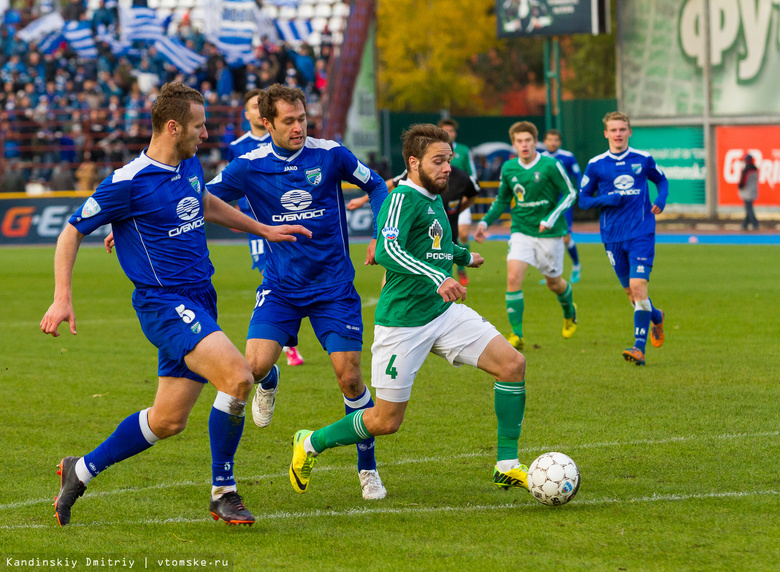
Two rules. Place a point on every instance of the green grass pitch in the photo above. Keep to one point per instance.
(679, 459)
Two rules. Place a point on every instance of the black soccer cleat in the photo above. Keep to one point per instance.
(71, 488)
(230, 508)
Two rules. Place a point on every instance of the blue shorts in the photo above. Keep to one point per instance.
(175, 320)
(334, 313)
(632, 258)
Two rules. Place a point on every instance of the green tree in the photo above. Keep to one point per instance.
(425, 49)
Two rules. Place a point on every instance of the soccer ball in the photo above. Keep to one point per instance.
(553, 479)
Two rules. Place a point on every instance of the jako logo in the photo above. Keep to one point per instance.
(296, 200)
(188, 208)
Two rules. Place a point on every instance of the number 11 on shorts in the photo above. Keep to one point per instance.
(391, 371)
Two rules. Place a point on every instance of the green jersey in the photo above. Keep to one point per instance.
(461, 158)
(415, 245)
(542, 193)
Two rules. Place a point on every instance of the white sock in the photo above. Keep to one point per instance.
(82, 472)
(507, 465)
(217, 492)
(307, 446)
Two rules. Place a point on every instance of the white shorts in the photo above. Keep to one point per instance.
(464, 218)
(459, 335)
(546, 254)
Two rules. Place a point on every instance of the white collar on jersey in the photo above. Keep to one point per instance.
(530, 165)
(621, 156)
(418, 188)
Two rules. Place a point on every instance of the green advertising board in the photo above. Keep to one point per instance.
(662, 56)
(679, 151)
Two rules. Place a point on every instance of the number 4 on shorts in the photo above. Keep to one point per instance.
(391, 371)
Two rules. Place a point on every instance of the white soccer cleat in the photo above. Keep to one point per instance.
(372, 486)
(263, 403)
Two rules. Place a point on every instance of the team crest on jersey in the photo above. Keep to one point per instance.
(636, 167)
(314, 176)
(519, 191)
(435, 232)
(390, 232)
(195, 182)
(195, 328)
(537, 176)
(90, 208)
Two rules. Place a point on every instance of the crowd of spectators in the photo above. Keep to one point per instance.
(62, 115)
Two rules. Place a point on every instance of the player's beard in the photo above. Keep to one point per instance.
(429, 184)
(183, 150)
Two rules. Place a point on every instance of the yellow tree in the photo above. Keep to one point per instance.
(425, 48)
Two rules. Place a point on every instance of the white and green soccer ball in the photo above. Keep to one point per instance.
(553, 479)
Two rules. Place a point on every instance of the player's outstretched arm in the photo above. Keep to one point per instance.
(355, 204)
(219, 212)
(61, 310)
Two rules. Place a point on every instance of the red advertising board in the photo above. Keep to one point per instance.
(763, 143)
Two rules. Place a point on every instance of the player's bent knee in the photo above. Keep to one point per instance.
(165, 428)
(513, 369)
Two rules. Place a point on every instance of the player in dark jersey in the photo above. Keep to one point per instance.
(616, 181)
(298, 178)
(157, 206)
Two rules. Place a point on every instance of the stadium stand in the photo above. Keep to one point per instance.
(77, 80)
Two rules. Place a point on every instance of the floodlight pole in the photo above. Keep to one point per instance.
(552, 84)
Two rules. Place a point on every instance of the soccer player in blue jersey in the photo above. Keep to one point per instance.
(294, 179)
(256, 136)
(616, 181)
(552, 148)
(157, 206)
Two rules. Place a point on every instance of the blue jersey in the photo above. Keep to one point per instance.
(569, 163)
(618, 184)
(302, 188)
(246, 143)
(156, 213)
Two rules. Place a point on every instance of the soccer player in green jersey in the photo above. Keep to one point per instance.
(416, 316)
(542, 192)
(462, 159)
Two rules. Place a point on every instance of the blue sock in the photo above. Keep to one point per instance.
(572, 250)
(365, 449)
(271, 379)
(641, 327)
(657, 316)
(132, 436)
(225, 428)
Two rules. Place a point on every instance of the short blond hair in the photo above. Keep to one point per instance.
(616, 116)
(523, 127)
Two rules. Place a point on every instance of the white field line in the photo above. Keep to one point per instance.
(320, 469)
(354, 512)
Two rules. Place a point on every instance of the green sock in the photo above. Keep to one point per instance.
(510, 407)
(567, 302)
(515, 304)
(466, 246)
(346, 431)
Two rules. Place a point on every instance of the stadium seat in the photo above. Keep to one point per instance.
(318, 24)
(323, 11)
(336, 24)
(306, 11)
(153, 3)
(341, 9)
(271, 11)
(169, 4)
(314, 39)
(287, 13)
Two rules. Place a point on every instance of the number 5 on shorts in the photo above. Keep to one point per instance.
(391, 371)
